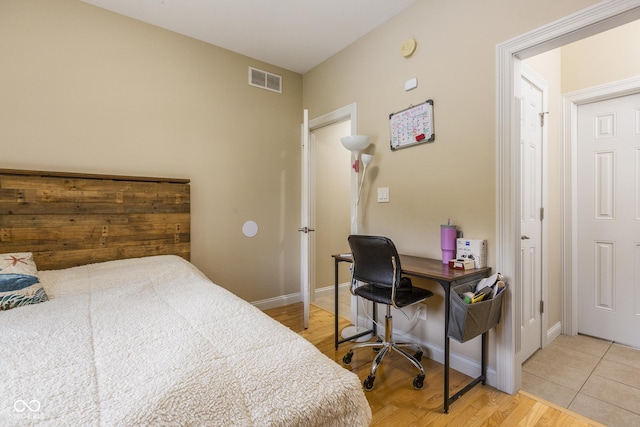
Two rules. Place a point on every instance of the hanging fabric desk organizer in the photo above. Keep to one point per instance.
(467, 321)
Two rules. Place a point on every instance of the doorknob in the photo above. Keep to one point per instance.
(524, 237)
(306, 229)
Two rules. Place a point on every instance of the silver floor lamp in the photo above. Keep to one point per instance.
(355, 144)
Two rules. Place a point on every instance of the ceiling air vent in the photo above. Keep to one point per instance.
(264, 80)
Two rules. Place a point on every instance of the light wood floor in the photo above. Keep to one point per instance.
(394, 402)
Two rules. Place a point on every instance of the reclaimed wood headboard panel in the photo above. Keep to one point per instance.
(68, 220)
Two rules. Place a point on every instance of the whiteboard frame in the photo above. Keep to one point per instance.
(424, 112)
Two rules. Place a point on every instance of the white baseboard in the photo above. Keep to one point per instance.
(554, 332)
(278, 301)
(330, 289)
(292, 298)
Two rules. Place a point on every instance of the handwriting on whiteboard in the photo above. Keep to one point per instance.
(412, 126)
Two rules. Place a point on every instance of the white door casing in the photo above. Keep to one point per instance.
(608, 216)
(532, 96)
(307, 266)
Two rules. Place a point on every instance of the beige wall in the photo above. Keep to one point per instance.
(603, 58)
(86, 90)
(455, 64)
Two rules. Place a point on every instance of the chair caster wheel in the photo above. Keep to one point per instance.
(418, 382)
(347, 358)
(368, 383)
(418, 356)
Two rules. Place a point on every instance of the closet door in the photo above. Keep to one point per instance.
(609, 219)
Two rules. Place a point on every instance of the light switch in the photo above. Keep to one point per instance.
(383, 194)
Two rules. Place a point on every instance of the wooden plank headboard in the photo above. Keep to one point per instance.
(69, 219)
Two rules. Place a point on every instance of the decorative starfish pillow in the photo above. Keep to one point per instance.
(19, 283)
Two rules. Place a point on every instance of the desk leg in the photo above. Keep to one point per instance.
(483, 368)
(447, 308)
(336, 284)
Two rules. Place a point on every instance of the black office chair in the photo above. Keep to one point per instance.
(377, 265)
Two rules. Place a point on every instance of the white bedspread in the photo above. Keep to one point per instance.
(152, 341)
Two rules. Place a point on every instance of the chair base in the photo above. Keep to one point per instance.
(383, 349)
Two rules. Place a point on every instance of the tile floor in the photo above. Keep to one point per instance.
(593, 377)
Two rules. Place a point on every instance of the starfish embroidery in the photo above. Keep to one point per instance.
(15, 260)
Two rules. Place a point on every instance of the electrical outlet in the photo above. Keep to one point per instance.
(422, 312)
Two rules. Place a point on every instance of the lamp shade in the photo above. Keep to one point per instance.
(366, 159)
(355, 143)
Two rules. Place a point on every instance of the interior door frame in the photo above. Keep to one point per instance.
(586, 22)
(571, 102)
(348, 112)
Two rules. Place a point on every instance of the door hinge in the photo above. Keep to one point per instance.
(541, 214)
(542, 118)
(541, 307)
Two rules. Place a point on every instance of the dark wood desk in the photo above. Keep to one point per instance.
(431, 269)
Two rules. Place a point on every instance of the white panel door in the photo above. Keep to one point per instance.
(609, 219)
(531, 96)
(305, 224)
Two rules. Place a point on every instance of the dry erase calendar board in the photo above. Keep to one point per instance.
(412, 126)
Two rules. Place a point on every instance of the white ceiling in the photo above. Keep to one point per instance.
(293, 34)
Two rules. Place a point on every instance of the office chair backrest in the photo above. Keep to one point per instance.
(372, 257)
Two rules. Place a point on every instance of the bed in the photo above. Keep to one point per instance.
(143, 338)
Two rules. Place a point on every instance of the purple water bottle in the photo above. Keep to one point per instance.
(448, 235)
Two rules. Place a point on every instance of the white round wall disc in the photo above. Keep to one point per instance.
(250, 228)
